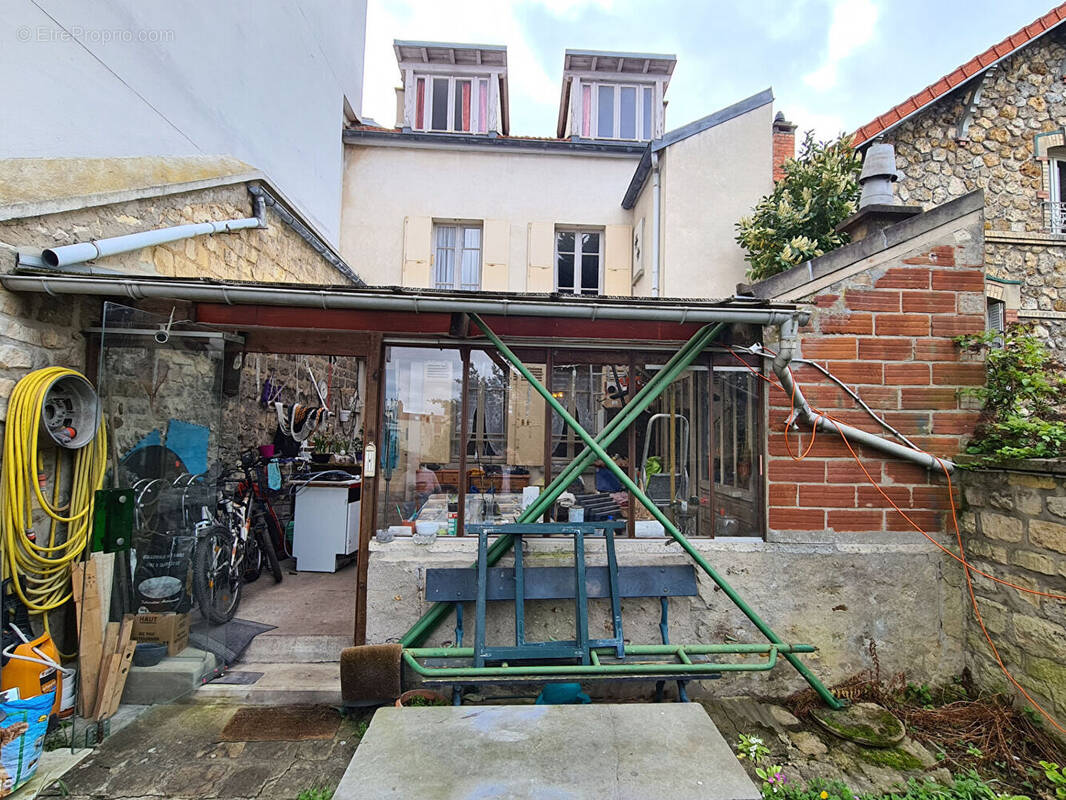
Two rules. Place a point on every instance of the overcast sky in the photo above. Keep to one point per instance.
(833, 64)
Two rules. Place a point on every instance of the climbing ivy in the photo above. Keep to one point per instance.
(796, 222)
(1024, 397)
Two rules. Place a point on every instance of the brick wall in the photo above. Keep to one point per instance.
(1014, 527)
(784, 147)
(886, 331)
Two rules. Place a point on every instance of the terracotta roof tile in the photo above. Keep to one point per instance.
(959, 75)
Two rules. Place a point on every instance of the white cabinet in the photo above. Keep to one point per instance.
(326, 524)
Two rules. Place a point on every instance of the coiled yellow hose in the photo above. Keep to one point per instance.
(41, 569)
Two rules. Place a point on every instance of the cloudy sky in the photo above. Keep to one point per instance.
(833, 64)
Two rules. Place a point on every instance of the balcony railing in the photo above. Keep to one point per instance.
(1054, 217)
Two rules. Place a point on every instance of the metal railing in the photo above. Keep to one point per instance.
(1054, 216)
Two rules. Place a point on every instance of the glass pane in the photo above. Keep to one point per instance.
(590, 274)
(505, 447)
(419, 457)
(472, 237)
(461, 121)
(444, 263)
(420, 104)
(605, 115)
(566, 272)
(471, 275)
(482, 106)
(590, 243)
(736, 460)
(565, 242)
(627, 113)
(586, 109)
(440, 104)
(647, 112)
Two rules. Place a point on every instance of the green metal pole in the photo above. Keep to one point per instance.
(644, 398)
(656, 512)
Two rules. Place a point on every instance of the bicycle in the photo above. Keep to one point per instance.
(231, 544)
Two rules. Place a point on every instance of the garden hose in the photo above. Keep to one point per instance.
(40, 567)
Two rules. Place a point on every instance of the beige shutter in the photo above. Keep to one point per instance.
(525, 418)
(496, 247)
(417, 246)
(618, 261)
(540, 274)
(438, 388)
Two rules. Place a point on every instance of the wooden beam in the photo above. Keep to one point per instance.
(372, 433)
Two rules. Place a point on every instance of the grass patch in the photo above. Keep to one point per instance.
(316, 793)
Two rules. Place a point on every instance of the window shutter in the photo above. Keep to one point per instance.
(540, 275)
(617, 257)
(496, 247)
(525, 418)
(417, 242)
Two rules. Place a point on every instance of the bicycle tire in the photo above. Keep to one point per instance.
(262, 534)
(253, 561)
(211, 577)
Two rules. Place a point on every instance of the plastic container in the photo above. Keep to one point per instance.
(266, 450)
(400, 530)
(529, 494)
(426, 527)
(649, 529)
(148, 654)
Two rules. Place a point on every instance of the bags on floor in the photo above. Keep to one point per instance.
(23, 724)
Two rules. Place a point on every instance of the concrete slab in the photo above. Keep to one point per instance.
(303, 604)
(173, 677)
(617, 752)
(281, 684)
(295, 649)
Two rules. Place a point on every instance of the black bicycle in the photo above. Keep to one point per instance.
(233, 543)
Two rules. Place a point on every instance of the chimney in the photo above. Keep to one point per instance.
(400, 108)
(878, 208)
(784, 144)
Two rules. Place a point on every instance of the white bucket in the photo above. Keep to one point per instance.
(66, 699)
(529, 494)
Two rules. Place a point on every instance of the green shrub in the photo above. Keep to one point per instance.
(796, 222)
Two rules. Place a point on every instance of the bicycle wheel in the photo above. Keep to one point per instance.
(217, 588)
(266, 546)
(252, 563)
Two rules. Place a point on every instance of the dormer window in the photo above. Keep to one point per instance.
(452, 88)
(614, 95)
(451, 104)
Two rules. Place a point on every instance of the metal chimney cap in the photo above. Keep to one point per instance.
(880, 162)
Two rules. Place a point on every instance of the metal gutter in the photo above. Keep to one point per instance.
(341, 298)
(465, 141)
(803, 409)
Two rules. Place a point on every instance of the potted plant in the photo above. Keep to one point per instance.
(322, 448)
(421, 697)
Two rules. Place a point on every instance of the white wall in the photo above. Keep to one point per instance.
(383, 185)
(263, 81)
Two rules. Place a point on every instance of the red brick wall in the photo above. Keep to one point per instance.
(784, 149)
(888, 333)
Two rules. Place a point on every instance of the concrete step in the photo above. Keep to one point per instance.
(170, 679)
(657, 751)
(275, 648)
(280, 684)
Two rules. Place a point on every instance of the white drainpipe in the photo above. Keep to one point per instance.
(87, 251)
(655, 222)
(815, 420)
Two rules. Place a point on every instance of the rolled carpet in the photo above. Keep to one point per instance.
(370, 674)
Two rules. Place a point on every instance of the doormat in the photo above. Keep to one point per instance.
(281, 724)
(238, 678)
(226, 641)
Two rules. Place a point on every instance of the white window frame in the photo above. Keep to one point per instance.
(427, 116)
(577, 231)
(594, 116)
(460, 226)
(1057, 213)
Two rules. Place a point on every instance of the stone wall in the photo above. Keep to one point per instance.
(1019, 115)
(1014, 527)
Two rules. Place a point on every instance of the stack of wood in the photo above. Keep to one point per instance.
(105, 649)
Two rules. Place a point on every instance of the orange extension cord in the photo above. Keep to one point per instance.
(961, 558)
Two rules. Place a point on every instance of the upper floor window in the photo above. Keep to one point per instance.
(1056, 217)
(451, 104)
(578, 261)
(617, 111)
(457, 261)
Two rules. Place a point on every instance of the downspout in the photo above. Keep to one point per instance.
(87, 251)
(655, 220)
(789, 330)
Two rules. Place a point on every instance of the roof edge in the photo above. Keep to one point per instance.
(809, 271)
(715, 118)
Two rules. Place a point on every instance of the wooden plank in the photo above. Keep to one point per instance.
(372, 433)
(105, 573)
(110, 646)
(90, 638)
(114, 667)
(121, 668)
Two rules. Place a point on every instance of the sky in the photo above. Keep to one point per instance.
(833, 64)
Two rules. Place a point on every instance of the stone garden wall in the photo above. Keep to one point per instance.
(1014, 527)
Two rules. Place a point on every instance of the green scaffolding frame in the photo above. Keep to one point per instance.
(594, 449)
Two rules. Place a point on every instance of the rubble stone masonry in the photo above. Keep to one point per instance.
(1005, 150)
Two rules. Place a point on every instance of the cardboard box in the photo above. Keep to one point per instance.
(170, 629)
